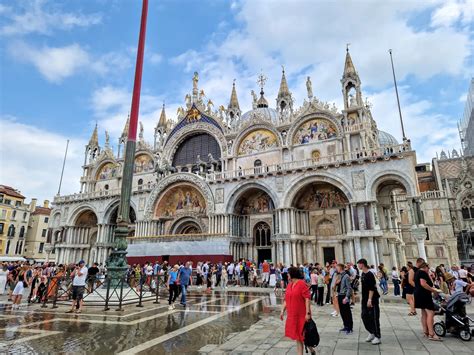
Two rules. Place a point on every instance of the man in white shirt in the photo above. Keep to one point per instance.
(79, 276)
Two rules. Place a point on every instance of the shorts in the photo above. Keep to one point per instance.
(77, 292)
(18, 291)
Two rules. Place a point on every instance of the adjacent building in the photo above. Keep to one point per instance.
(14, 217)
(282, 182)
(37, 235)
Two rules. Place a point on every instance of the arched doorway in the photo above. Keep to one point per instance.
(322, 218)
(262, 240)
(252, 223)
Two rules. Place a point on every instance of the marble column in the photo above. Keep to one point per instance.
(357, 248)
(293, 253)
(314, 246)
(351, 251)
(393, 254)
(281, 258)
(373, 259)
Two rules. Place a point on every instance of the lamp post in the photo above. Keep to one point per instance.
(117, 261)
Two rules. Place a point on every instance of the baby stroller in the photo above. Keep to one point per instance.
(456, 320)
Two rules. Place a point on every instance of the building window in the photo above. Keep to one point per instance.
(106, 187)
(3, 214)
(8, 202)
(40, 249)
(18, 203)
(43, 233)
(11, 231)
(8, 247)
(14, 215)
(467, 207)
(46, 219)
(140, 184)
(1, 198)
(24, 216)
(2, 225)
(22, 232)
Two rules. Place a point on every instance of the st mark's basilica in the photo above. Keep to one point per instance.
(281, 182)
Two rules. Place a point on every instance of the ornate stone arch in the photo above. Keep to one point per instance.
(318, 176)
(239, 190)
(174, 228)
(56, 218)
(249, 129)
(163, 184)
(78, 210)
(109, 209)
(308, 117)
(399, 176)
(102, 163)
(199, 127)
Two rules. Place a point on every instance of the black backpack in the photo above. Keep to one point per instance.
(311, 335)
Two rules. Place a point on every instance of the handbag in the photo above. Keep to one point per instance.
(311, 335)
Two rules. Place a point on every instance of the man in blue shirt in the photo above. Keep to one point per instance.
(184, 277)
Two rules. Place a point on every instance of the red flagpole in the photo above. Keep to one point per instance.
(132, 130)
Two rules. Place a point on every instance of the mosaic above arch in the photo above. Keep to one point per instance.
(320, 196)
(143, 163)
(108, 171)
(315, 130)
(257, 141)
(254, 201)
(179, 200)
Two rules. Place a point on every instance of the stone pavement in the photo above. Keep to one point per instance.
(401, 334)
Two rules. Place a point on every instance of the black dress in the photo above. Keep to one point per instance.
(423, 298)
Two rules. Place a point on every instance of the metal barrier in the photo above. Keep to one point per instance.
(104, 292)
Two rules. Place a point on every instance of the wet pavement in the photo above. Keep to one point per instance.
(239, 321)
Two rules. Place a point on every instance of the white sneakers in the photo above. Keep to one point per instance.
(373, 339)
(370, 338)
(170, 308)
(376, 341)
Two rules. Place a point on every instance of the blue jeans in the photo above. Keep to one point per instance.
(383, 285)
(183, 293)
(396, 287)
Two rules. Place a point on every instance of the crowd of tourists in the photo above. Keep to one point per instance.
(332, 284)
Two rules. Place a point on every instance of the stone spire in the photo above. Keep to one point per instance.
(125, 129)
(284, 100)
(349, 69)
(284, 91)
(163, 122)
(94, 141)
(234, 101)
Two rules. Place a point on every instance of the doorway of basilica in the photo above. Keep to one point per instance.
(262, 240)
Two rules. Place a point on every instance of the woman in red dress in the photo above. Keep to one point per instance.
(298, 307)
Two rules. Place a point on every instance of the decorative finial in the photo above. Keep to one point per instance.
(283, 69)
(347, 47)
(262, 79)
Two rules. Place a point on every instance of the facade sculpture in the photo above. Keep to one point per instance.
(291, 184)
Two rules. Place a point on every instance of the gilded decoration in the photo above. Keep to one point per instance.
(319, 197)
(257, 141)
(315, 155)
(108, 171)
(180, 199)
(257, 202)
(143, 163)
(315, 130)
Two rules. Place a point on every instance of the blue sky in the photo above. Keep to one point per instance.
(66, 65)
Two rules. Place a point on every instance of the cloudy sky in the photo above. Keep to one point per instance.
(66, 65)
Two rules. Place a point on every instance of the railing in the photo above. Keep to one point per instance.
(98, 194)
(101, 291)
(433, 194)
(341, 158)
(158, 238)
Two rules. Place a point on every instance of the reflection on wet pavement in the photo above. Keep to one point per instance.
(209, 318)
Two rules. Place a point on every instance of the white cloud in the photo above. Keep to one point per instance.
(37, 16)
(31, 160)
(453, 11)
(54, 63)
(155, 58)
(58, 63)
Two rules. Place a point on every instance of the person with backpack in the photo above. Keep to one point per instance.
(297, 305)
(370, 303)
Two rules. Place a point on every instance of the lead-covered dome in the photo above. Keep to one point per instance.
(386, 139)
(264, 113)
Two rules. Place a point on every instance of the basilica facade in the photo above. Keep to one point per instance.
(278, 182)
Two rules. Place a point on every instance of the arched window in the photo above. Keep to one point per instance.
(106, 187)
(14, 215)
(257, 163)
(262, 235)
(11, 231)
(22, 232)
(467, 207)
(140, 184)
(202, 146)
